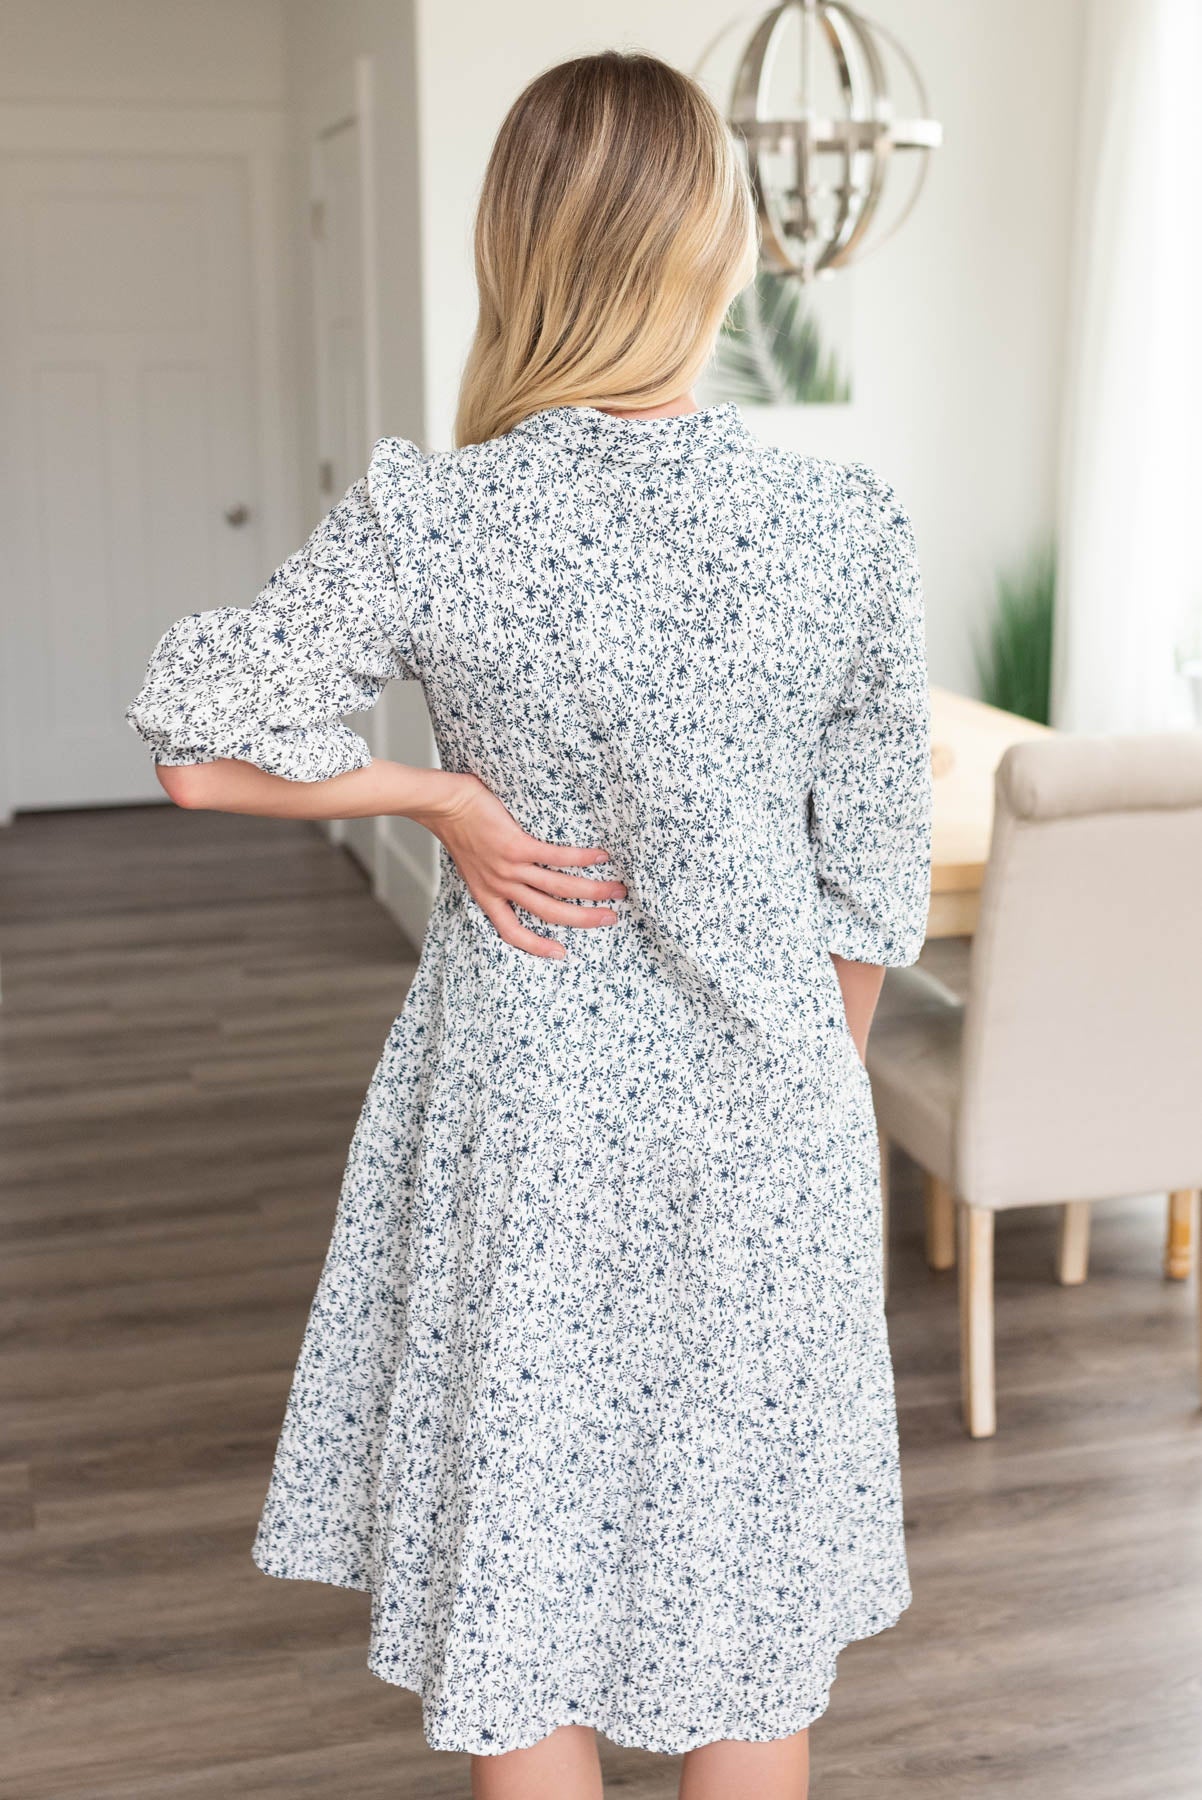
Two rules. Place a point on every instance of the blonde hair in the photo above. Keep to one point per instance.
(615, 226)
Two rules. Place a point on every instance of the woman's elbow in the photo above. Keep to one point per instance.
(186, 784)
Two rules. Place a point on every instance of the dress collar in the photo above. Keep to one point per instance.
(586, 429)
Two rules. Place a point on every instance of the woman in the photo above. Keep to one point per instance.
(595, 1396)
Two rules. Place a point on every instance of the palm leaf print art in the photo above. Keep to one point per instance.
(769, 352)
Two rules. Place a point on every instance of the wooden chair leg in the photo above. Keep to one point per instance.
(1179, 1237)
(939, 1206)
(1072, 1251)
(1198, 1233)
(884, 1142)
(975, 1230)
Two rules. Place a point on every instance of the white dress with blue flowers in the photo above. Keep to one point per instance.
(595, 1397)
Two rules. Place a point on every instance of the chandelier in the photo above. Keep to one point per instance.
(821, 149)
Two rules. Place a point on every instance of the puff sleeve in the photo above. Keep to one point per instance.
(870, 799)
(269, 683)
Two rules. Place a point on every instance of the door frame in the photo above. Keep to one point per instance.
(257, 138)
(345, 98)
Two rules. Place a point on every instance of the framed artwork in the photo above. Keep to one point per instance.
(783, 344)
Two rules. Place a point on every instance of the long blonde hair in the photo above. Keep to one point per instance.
(615, 226)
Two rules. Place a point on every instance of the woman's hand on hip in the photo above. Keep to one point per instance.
(502, 865)
(505, 867)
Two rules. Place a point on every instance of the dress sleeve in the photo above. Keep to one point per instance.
(870, 802)
(269, 683)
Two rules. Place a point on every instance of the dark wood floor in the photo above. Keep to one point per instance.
(192, 1009)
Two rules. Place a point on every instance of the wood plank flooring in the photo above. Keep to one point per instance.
(192, 1009)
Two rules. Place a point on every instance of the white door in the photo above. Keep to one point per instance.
(343, 448)
(127, 466)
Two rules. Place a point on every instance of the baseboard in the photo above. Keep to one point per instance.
(405, 884)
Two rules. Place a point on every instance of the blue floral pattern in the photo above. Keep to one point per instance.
(595, 1396)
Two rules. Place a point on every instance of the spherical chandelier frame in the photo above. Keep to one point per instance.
(866, 130)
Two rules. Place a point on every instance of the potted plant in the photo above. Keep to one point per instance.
(1014, 657)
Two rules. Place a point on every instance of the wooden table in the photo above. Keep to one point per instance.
(968, 739)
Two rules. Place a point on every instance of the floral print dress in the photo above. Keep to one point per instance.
(595, 1397)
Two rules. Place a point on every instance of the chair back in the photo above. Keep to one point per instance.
(1082, 1054)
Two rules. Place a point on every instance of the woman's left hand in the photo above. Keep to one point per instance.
(503, 867)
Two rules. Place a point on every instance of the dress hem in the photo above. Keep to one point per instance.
(656, 1747)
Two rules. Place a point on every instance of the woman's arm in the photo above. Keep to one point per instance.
(861, 986)
(502, 865)
(241, 787)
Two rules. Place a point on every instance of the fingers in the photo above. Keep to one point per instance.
(558, 912)
(569, 887)
(508, 926)
(563, 856)
(545, 892)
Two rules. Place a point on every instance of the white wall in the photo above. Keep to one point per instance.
(958, 321)
(222, 52)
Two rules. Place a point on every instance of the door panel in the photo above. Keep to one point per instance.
(128, 355)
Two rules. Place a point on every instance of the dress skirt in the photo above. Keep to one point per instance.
(595, 1397)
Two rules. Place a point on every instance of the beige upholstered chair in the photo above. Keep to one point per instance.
(1073, 1070)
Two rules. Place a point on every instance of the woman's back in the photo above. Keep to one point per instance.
(662, 636)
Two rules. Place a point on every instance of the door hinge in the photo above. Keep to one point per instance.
(325, 477)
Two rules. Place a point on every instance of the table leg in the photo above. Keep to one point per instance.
(1072, 1252)
(1179, 1238)
(940, 1209)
